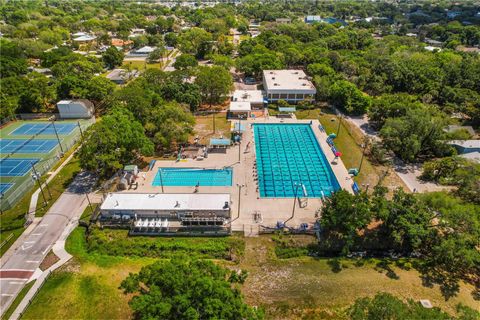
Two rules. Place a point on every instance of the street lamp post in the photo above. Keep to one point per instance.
(239, 198)
(295, 198)
(339, 123)
(37, 178)
(161, 179)
(364, 146)
(58, 138)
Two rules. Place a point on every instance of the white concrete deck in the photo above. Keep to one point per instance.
(271, 209)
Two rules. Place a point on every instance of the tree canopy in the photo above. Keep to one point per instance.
(187, 288)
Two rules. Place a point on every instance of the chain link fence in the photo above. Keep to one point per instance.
(22, 185)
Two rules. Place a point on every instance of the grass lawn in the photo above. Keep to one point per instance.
(311, 288)
(349, 142)
(204, 127)
(17, 300)
(141, 65)
(87, 287)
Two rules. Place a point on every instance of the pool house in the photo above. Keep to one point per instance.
(168, 213)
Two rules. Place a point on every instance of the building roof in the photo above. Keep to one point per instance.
(252, 96)
(79, 34)
(313, 18)
(239, 106)
(165, 201)
(85, 38)
(121, 74)
(468, 144)
(287, 109)
(287, 80)
(119, 42)
(146, 49)
(474, 156)
(87, 103)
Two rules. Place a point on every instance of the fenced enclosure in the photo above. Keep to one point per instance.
(29, 149)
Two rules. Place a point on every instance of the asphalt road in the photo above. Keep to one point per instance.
(20, 266)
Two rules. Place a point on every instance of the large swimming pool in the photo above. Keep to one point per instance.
(189, 177)
(290, 160)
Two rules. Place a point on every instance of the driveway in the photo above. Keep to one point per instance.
(19, 267)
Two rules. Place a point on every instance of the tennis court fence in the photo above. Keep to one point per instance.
(22, 185)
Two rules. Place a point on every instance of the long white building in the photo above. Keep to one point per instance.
(148, 213)
(289, 85)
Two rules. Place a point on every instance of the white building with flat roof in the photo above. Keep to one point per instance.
(75, 109)
(289, 85)
(168, 213)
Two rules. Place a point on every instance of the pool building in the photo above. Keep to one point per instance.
(168, 213)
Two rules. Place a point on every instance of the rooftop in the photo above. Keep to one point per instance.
(165, 201)
(287, 80)
(85, 38)
(240, 106)
(252, 96)
(470, 144)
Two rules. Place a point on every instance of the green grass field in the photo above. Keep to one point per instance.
(304, 287)
(141, 65)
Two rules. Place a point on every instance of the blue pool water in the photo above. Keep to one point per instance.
(190, 177)
(289, 154)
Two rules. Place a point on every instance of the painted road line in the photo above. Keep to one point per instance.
(30, 241)
(43, 225)
(37, 234)
(33, 261)
(18, 282)
(45, 251)
(7, 295)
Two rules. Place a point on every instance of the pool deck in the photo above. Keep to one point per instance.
(271, 209)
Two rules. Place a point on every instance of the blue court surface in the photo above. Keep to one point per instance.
(291, 163)
(30, 129)
(190, 177)
(25, 146)
(4, 187)
(15, 167)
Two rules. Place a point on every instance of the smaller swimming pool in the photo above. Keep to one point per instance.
(190, 177)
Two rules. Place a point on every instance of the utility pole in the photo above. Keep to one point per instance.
(37, 178)
(364, 145)
(58, 138)
(89, 203)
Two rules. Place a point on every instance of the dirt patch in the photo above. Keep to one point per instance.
(49, 261)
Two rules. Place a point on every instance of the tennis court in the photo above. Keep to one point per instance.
(4, 187)
(25, 146)
(15, 167)
(30, 129)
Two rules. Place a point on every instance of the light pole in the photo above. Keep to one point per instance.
(37, 178)
(239, 198)
(58, 138)
(295, 199)
(339, 123)
(161, 179)
(364, 146)
(89, 203)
